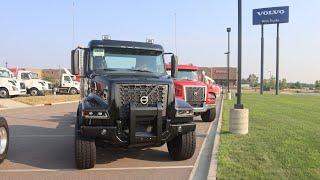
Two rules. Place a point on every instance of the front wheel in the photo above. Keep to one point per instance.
(4, 139)
(34, 92)
(73, 91)
(183, 146)
(209, 115)
(85, 151)
(4, 93)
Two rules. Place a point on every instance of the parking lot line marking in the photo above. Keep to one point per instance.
(41, 136)
(95, 169)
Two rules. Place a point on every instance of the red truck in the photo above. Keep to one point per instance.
(190, 88)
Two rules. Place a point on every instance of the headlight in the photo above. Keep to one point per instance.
(42, 83)
(184, 113)
(14, 88)
(95, 114)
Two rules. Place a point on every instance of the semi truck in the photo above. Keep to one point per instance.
(35, 86)
(128, 100)
(4, 139)
(190, 88)
(9, 86)
(68, 83)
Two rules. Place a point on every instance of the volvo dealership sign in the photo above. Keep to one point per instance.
(273, 15)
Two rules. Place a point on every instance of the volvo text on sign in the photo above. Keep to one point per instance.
(271, 15)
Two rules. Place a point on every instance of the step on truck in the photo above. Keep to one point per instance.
(4, 139)
(9, 86)
(189, 87)
(128, 101)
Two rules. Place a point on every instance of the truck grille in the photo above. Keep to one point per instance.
(195, 94)
(22, 85)
(132, 93)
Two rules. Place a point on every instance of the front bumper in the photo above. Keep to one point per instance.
(204, 108)
(114, 136)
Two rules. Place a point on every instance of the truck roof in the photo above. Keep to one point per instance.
(190, 67)
(125, 44)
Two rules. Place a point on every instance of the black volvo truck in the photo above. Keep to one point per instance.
(128, 100)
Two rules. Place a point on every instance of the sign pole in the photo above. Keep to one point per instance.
(262, 59)
(277, 59)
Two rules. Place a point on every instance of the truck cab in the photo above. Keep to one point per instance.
(189, 87)
(34, 85)
(68, 83)
(9, 86)
(128, 100)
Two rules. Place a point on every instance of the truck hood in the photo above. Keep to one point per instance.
(133, 78)
(188, 83)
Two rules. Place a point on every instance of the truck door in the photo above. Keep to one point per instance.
(67, 81)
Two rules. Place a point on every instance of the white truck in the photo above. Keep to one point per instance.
(34, 85)
(68, 83)
(9, 86)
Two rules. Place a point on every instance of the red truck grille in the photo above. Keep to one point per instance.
(195, 94)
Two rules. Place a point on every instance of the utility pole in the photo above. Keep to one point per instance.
(73, 28)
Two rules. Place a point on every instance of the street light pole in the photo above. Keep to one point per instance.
(6, 64)
(239, 105)
(228, 58)
(239, 116)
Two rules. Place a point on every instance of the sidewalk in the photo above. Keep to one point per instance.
(9, 104)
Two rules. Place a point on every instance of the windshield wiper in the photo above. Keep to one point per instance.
(140, 70)
(106, 69)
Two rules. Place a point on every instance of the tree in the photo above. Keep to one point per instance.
(253, 80)
(317, 85)
(283, 84)
(297, 85)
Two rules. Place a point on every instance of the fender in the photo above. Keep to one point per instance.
(182, 104)
(93, 102)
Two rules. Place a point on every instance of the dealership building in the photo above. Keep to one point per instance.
(220, 75)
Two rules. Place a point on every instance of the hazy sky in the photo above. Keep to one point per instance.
(37, 33)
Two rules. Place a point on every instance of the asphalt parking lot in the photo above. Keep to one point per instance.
(42, 147)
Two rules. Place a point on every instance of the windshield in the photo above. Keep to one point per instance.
(4, 74)
(186, 75)
(135, 60)
(34, 75)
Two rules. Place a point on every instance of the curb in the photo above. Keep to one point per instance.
(200, 170)
(212, 175)
(51, 104)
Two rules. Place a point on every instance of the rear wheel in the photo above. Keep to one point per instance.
(4, 139)
(183, 146)
(4, 93)
(85, 151)
(209, 115)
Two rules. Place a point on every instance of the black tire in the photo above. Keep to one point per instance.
(4, 150)
(4, 93)
(73, 91)
(85, 151)
(209, 115)
(182, 147)
(34, 92)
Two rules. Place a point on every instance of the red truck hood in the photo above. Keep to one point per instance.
(188, 83)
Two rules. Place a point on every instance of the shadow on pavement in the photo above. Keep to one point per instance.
(53, 147)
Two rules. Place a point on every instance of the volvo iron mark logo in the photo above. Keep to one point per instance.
(195, 93)
(144, 100)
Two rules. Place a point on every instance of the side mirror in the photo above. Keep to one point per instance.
(75, 62)
(174, 66)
